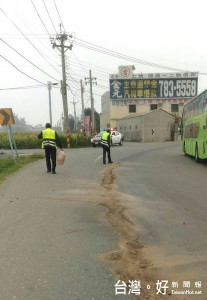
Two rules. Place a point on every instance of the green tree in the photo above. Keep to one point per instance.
(71, 122)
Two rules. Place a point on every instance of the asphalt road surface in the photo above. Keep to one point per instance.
(73, 235)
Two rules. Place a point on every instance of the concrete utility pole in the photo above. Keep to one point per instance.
(62, 38)
(49, 86)
(82, 103)
(91, 81)
(75, 124)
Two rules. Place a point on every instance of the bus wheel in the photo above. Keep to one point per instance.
(197, 159)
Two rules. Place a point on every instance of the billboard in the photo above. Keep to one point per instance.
(88, 124)
(154, 86)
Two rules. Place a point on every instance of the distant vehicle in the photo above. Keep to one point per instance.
(194, 125)
(116, 138)
(96, 140)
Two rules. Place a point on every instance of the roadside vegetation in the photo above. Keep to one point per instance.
(29, 140)
(9, 166)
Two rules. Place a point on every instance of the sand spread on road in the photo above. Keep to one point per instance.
(128, 262)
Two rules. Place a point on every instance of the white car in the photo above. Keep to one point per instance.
(116, 138)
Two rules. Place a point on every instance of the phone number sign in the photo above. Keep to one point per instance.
(153, 88)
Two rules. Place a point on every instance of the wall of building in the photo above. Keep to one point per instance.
(157, 125)
(111, 113)
(117, 112)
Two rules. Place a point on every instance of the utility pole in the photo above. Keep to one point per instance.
(49, 86)
(75, 124)
(91, 81)
(62, 38)
(82, 103)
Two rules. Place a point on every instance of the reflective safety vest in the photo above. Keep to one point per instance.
(48, 136)
(104, 138)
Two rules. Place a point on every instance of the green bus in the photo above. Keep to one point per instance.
(194, 127)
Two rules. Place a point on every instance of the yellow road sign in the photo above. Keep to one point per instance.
(6, 116)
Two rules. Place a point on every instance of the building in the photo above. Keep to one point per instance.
(154, 126)
(132, 93)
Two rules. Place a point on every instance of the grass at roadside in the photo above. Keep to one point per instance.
(9, 166)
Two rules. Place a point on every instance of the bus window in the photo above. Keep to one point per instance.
(205, 106)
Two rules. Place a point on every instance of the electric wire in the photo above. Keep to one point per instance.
(28, 25)
(40, 18)
(99, 70)
(27, 59)
(94, 72)
(73, 79)
(80, 76)
(59, 14)
(106, 51)
(28, 40)
(49, 16)
(69, 88)
(127, 58)
(79, 62)
(22, 87)
(102, 86)
(21, 70)
(42, 34)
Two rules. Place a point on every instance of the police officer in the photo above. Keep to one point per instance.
(50, 142)
(106, 144)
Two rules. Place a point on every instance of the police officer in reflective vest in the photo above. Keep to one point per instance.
(50, 142)
(106, 144)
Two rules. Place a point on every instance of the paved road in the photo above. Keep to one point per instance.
(166, 194)
(61, 234)
(53, 231)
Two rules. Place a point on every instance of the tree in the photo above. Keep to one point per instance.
(71, 122)
(97, 118)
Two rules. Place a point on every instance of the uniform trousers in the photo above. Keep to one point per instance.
(50, 155)
(106, 149)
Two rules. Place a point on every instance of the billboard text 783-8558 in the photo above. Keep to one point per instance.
(151, 88)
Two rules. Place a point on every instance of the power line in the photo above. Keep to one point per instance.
(102, 86)
(79, 62)
(49, 16)
(28, 40)
(59, 15)
(40, 18)
(106, 51)
(73, 79)
(94, 71)
(21, 70)
(27, 59)
(78, 76)
(72, 84)
(35, 36)
(23, 87)
(48, 50)
(99, 69)
(69, 88)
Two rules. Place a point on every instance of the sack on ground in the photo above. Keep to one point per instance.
(60, 157)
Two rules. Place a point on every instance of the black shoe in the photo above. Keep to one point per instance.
(53, 172)
(48, 171)
(110, 162)
(104, 162)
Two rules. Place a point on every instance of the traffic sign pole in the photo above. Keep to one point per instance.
(14, 142)
(10, 141)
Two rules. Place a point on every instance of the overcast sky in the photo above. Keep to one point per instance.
(170, 33)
